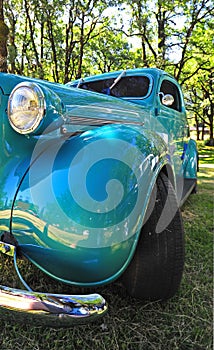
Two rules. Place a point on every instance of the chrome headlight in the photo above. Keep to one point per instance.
(26, 107)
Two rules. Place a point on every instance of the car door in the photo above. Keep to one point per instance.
(173, 119)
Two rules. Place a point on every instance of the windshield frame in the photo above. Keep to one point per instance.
(85, 81)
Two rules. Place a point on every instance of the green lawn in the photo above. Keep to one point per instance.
(183, 323)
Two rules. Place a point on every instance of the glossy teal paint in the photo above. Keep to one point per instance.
(76, 202)
(79, 230)
(190, 160)
(16, 149)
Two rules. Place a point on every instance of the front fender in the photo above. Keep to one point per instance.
(79, 209)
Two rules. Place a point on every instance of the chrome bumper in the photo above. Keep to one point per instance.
(47, 309)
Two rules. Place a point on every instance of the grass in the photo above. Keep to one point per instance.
(183, 323)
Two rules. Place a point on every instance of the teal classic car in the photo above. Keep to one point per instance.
(93, 174)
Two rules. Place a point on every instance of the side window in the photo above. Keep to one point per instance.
(167, 87)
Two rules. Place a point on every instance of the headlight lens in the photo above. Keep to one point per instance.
(26, 107)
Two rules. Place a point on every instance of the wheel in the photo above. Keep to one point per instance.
(156, 269)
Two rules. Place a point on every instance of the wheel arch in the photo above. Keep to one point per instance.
(167, 169)
(190, 161)
(51, 240)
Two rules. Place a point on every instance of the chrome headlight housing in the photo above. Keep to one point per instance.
(26, 107)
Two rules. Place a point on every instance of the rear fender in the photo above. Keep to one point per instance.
(190, 161)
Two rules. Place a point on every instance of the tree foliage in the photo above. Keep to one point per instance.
(60, 40)
(109, 51)
(53, 36)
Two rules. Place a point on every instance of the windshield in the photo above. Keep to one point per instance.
(127, 86)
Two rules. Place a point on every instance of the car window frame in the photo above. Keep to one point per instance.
(178, 94)
(150, 86)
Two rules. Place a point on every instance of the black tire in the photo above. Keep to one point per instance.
(156, 269)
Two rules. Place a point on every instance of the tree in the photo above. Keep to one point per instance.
(197, 16)
(153, 23)
(201, 102)
(107, 52)
(197, 75)
(166, 29)
(12, 52)
(4, 31)
(53, 34)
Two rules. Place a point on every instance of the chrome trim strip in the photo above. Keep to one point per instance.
(46, 309)
(96, 121)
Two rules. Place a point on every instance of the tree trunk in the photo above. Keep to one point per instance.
(197, 127)
(34, 46)
(81, 51)
(4, 31)
(202, 131)
(161, 23)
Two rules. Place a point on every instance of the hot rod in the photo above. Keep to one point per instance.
(92, 177)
